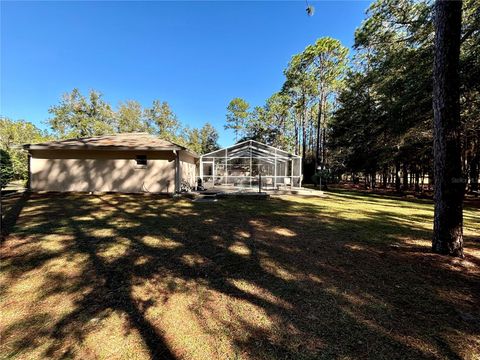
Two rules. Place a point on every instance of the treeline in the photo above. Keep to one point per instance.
(383, 126)
(370, 115)
(77, 116)
(296, 118)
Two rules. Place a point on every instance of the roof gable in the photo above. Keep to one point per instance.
(250, 147)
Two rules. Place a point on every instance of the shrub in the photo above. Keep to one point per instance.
(6, 168)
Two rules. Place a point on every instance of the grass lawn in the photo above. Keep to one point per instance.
(350, 276)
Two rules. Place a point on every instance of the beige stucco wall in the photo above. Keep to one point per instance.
(78, 170)
(187, 169)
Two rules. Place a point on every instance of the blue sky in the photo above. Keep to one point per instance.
(195, 55)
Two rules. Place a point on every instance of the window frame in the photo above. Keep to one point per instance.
(141, 161)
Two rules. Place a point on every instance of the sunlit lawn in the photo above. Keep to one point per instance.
(345, 277)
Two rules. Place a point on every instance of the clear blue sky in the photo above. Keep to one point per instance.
(195, 55)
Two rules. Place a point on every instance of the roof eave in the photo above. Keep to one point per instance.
(101, 148)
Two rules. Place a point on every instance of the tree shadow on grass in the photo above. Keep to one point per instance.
(11, 209)
(254, 279)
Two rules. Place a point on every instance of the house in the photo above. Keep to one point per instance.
(133, 162)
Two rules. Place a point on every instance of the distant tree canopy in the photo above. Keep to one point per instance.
(81, 116)
(78, 116)
(208, 139)
(237, 116)
(203, 140)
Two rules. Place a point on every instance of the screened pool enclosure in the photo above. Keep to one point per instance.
(249, 163)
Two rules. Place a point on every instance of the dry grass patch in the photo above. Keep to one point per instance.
(350, 276)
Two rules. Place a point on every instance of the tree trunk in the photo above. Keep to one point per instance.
(431, 179)
(449, 183)
(405, 177)
(384, 176)
(474, 174)
(311, 141)
(324, 146)
(324, 140)
(304, 138)
(417, 181)
(297, 146)
(397, 176)
(319, 125)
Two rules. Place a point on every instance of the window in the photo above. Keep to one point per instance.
(141, 161)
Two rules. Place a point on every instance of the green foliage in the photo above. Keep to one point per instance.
(290, 118)
(271, 123)
(130, 118)
(470, 96)
(237, 116)
(6, 168)
(208, 139)
(392, 23)
(202, 140)
(13, 134)
(325, 175)
(78, 116)
(164, 121)
(384, 114)
(299, 86)
(325, 61)
(372, 114)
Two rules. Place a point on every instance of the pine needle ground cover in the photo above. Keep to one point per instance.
(136, 277)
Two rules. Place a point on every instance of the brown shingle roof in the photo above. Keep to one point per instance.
(126, 141)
